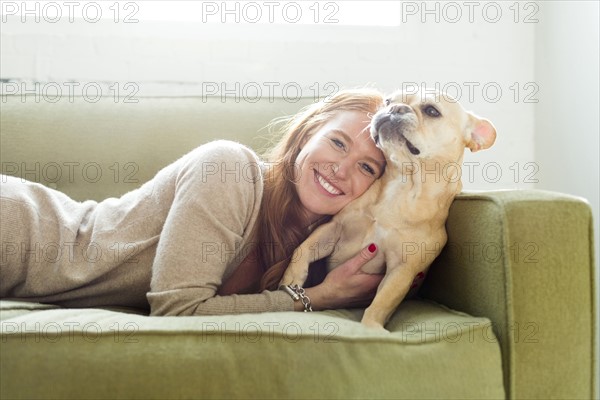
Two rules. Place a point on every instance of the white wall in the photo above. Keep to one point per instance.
(567, 116)
(485, 57)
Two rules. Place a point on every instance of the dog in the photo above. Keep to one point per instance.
(423, 137)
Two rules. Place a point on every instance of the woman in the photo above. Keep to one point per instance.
(211, 233)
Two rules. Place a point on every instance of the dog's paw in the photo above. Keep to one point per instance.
(290, 278)
(372, 324)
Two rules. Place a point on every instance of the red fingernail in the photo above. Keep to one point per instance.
(372, 247)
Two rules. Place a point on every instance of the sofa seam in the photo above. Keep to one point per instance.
(303, 337)
(509, 314)
(592, 263)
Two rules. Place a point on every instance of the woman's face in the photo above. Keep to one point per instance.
(337, 164)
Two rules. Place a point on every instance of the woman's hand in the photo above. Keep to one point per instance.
(347, 286)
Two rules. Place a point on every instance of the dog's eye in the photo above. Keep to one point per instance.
(432, 111)
(387, 102)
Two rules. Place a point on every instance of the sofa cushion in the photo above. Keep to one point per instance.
(48, 351)
(105, 149)
(525, 259)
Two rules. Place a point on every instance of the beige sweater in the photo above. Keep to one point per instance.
(166, 246)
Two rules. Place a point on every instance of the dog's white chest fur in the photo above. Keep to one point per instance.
(384, 215)
(353, 240)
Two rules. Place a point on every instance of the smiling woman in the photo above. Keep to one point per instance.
(337, 164)
(322, 163)
(204, 243)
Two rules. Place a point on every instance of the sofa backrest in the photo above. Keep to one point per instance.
(106, 148)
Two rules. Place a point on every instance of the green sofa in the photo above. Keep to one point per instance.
(507, 310)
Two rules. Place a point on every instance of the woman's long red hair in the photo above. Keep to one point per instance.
(281, 225)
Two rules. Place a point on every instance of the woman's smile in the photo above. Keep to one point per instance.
(327, 187)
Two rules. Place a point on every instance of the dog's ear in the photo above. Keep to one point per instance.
(481, 133)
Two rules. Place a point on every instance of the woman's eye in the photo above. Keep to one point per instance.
(368, 168)
(338, 143)
(432, 111)
(387, 102)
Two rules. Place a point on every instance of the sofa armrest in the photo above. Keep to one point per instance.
(524, 259)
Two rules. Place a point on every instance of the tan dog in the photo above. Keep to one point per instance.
(423, 138)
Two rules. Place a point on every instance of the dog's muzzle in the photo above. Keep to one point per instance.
(390, 123)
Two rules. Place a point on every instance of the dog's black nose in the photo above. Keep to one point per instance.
(400, 109)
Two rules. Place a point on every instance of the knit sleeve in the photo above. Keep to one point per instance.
(218, 190)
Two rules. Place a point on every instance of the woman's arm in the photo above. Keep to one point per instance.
(346, 286)
(217, 196)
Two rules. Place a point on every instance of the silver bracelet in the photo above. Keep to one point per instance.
(298, 293)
